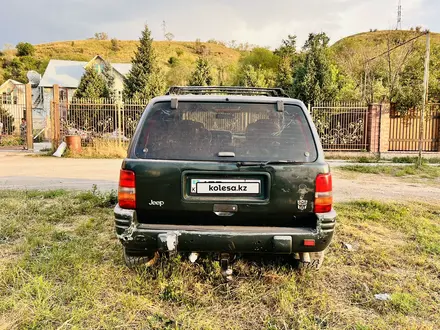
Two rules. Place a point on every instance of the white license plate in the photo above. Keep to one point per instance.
(225, 187)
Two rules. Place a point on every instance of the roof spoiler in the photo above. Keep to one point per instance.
(228, 90)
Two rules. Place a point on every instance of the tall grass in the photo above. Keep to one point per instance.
(101, 148)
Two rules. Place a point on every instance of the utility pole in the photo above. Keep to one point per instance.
(164, 28)
(425, 95)
(399, 16)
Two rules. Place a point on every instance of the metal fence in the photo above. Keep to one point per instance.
(405, 130)
(99, 118)
(211, 121)
(341, 126)
(10, 116)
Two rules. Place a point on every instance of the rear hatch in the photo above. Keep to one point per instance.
(225, 163)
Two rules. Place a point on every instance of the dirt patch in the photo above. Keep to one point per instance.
(353, 186)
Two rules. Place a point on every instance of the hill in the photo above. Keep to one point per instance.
(379, 39)
(176, 58)
(84, 50)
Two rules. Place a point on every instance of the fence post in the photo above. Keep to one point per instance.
(56, 116)
(29, 126)
(384, 129)
(119, 109)
(373, 128)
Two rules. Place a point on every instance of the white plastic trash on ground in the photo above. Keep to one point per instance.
(60, 150)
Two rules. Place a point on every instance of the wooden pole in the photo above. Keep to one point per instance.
(56, 116)
(29, 126)
(425, 96)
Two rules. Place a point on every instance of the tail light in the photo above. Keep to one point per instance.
(127, 190)
(323, 193)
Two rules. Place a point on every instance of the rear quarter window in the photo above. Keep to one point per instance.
(248, 131)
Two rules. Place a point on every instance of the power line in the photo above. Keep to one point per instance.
(391, 49)
(384, 53)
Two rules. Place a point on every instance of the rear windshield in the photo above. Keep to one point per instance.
(226, 132)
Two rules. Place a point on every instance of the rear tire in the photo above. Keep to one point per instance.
(133, 260)
(316, 261)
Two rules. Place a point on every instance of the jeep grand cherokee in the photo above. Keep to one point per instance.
(225, 170)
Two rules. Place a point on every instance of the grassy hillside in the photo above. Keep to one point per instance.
(177, 58)
(84, 50)
(61, 267)
(378, 39)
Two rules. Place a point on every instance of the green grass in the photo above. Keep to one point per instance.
(424, 172)
(354, 159)
(413, 160)
(61, 267)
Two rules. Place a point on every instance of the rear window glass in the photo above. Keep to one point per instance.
(226, 132)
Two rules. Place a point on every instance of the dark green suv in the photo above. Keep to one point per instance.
(226, 170)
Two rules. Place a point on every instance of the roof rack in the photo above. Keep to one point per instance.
(228, 90)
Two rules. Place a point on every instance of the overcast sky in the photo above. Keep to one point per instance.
(259, 22)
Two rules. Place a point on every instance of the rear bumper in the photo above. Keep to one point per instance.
(231, 239)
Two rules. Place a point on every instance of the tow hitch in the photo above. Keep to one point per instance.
(225, 264)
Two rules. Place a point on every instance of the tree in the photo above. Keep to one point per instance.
(288, 59)
(115, 45)
(92, 85)
(408, 92)
(202, 76)
(101, 36)
(25, 49)
(155, 85)
(284, 76)
(200, 48)
(287, 48)
(261, 58)
(248, 76)
(109, 79)
(314, 81)
(144, 80)
(17, 67)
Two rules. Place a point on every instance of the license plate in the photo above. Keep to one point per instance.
(225, 187)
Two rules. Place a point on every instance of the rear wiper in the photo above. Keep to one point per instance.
(263, 164)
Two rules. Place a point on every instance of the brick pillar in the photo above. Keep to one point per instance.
(385, 123)
(373, 127)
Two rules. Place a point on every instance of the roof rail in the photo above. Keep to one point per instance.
(228, 90)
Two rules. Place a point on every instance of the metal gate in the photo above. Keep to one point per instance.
(12, 111)
(341, 126)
